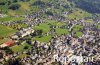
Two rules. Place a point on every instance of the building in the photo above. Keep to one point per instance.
(22, 33)
(8, 43)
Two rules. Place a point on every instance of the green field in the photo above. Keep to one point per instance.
(89, 20)
(6, 31)
(22, 56)
(78, 34)
(4, 40)
(20, 48)
(43, 39)
(77, 27)
(98, 26)
(78, 14)
(11, 19)
(60, 31)
(45, 27)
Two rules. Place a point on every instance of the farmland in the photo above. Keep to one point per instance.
(5, 32)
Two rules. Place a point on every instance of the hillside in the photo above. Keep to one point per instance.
(71, 9)
(92, 6)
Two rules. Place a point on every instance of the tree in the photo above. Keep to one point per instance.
(1, 55)
(25, 0)
(3, 2)
(8, 50)
(91, 6)
(49, 13)
(14, 6)
(14, 62)
(38, 3)
(39, 32)
(26, 47)
(15, 1)
(9, 2)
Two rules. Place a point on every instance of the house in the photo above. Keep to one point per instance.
(15, 37)
(2, 15)
(26, 32)
(22, 33)
(8, 43)
(3, 45)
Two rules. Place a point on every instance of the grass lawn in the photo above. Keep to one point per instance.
(17, 48)
(3, 8)
(22, 56)
(6, 31)
(24, 5)
(78, 34)
(56, 23)
(10, 18)
(43, 39)
(22, 25)
(43, 27)
(20, 48)
(16, 12)
(98, 26)
(46, 26)
(3, 40)
(89, 20)
(78, 14)
(60, 31)
(19, 26)
(77, 27)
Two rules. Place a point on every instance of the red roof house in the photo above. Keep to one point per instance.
(9, 43)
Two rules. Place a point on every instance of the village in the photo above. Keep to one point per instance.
(50, 36)
(64, 45)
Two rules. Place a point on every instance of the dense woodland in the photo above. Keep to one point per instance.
(92, 6)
